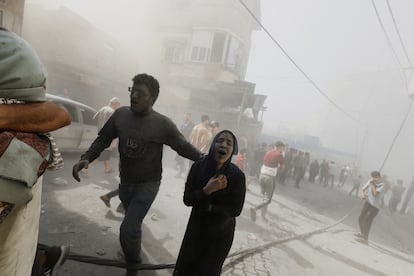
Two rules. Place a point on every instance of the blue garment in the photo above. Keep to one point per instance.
(137, 200)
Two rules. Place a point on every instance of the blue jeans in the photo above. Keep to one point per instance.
(137, 199)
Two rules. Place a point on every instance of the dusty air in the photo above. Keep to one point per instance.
(206, 138)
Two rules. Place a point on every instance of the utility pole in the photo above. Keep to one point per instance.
(407, 198)
(410, 190)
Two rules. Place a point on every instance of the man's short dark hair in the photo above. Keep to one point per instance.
(375, 174)
(150, 82)
(205, 118)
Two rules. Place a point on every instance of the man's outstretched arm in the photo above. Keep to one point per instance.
(33, 117)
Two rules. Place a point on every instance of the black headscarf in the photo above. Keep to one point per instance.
(208, 167)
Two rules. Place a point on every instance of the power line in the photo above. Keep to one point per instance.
(295, 64)
(404, 79)
(385, 33)
(396, 135)
(398, 32)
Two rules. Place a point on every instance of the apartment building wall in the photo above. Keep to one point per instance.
(81, 60)
(215, 34)
(11, 15)
(194, 47)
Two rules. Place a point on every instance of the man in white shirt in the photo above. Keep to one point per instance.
(372, 192)
(102, 116)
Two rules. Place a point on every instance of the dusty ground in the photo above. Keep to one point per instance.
(73, 215)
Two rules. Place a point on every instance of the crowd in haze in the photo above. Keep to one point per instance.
(299, 168)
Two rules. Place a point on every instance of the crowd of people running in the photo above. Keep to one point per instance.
(300, 169)
(286, 165)
(217, 173)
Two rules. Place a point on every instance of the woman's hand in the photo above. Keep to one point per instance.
(215, 184)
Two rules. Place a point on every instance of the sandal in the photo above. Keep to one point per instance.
(106, 200)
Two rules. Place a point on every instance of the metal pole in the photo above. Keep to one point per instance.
(407, 198)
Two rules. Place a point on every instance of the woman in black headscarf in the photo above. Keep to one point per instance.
(215, 188)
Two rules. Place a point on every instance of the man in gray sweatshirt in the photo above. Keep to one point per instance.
(142, 133)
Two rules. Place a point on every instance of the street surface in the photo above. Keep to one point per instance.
(73, 214)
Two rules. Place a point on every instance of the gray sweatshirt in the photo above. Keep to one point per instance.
(141, 140)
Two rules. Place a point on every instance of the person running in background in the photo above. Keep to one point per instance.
(396, 196)
(343, 175)
(313, 171)
(356, 182)
(240, 160)
(213, 130)
(372, 192)
(200, 134)
(387, 189)
(185, 128)
(324, 173)
(259, 153)
(299, 168)
(102, 116)
(332, 171)
(272, 162)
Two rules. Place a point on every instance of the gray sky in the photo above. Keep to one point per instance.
(341, 47)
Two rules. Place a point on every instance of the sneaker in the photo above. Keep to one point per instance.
(56, 257)
(253, 214)
(106, 200)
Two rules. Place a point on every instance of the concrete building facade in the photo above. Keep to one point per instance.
(198, 49)
(202, 49)
(11, 15)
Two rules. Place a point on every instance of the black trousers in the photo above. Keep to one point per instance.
(368, 213)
